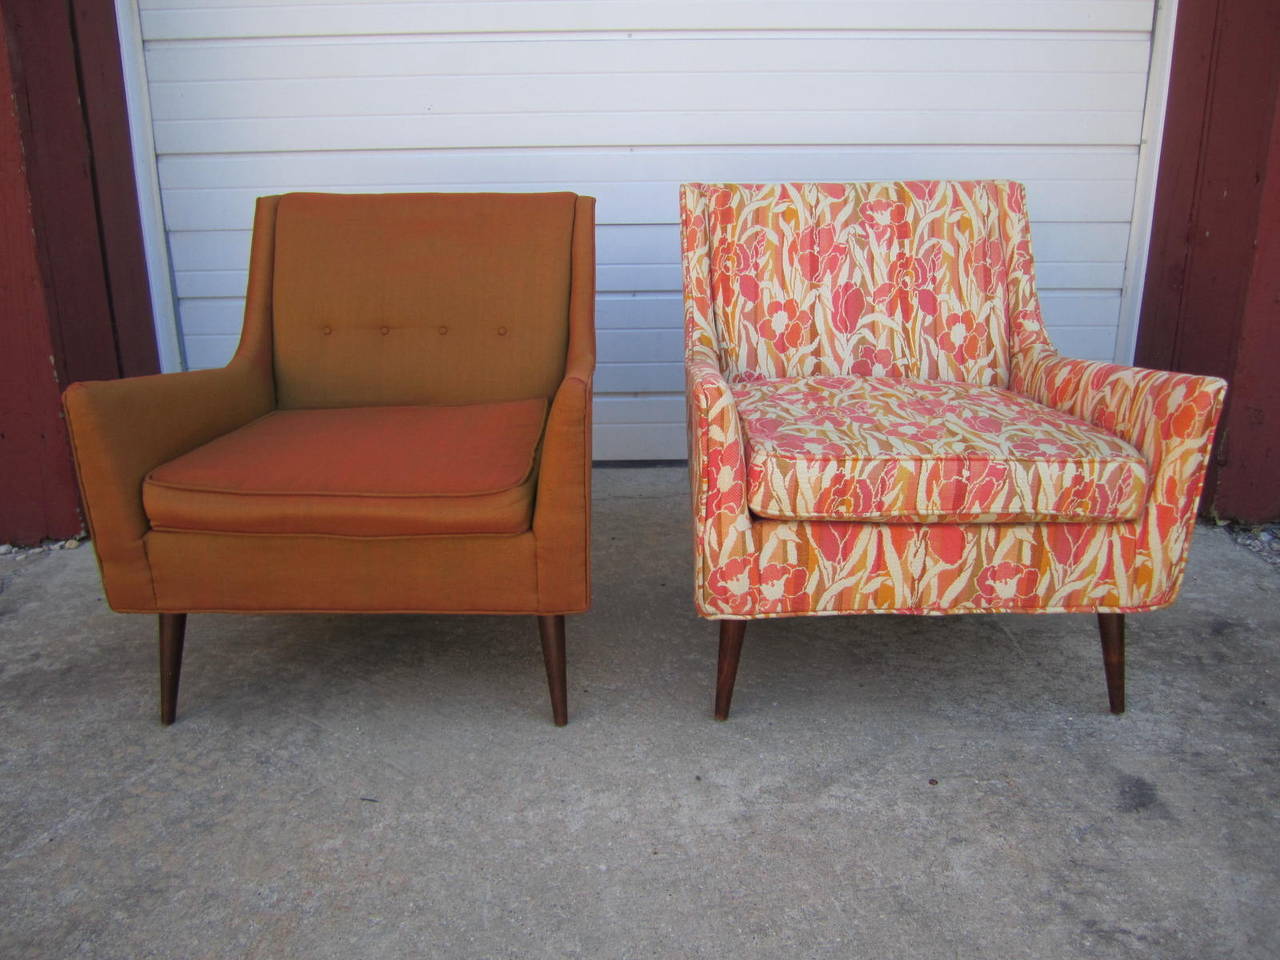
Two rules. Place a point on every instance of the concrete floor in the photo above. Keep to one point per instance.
(352, 787)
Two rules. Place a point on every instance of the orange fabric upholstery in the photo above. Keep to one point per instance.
(453, 574)
(562, 521)
(358, 472)
(511, 277)
(909, 451)
(392, 300)
(122, 429)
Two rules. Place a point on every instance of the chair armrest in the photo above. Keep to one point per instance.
(717, 476)
(1169, 417)
(724, 540)
(562, 515)
(122, 429)
(1162, 414)
(562, 511)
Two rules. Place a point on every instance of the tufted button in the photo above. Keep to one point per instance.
(385, 330)
(502, 331)
(326, 330)
(443, 330)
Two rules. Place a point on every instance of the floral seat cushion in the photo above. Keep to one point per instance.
(894, 450)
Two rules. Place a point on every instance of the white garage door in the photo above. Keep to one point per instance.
(625, 99)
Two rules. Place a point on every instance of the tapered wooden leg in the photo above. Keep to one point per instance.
(731, 634)
(173, 627)
(552, 630)
(1111, 629)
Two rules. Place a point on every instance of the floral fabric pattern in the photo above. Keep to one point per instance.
(903, 280)
(877, 448)
(930, 282)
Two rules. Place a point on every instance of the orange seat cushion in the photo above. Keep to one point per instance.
(359, 472)
(895, 450)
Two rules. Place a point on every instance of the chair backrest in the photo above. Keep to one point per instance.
(915, 279)
(419, 298)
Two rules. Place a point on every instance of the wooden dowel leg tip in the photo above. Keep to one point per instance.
(731, 634)
(173, 628)
(551, 630)
(1111, 632)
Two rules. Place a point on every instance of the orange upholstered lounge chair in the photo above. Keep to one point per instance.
(878, 422)
(405, 426)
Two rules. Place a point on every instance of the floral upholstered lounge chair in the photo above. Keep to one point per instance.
(878, 422)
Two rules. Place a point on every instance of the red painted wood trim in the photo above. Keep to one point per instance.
(37, 486)
(60, 181)
(1180, 158)
(107, 120)
(1210, 217)
(1249, 482)
(72, 229)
